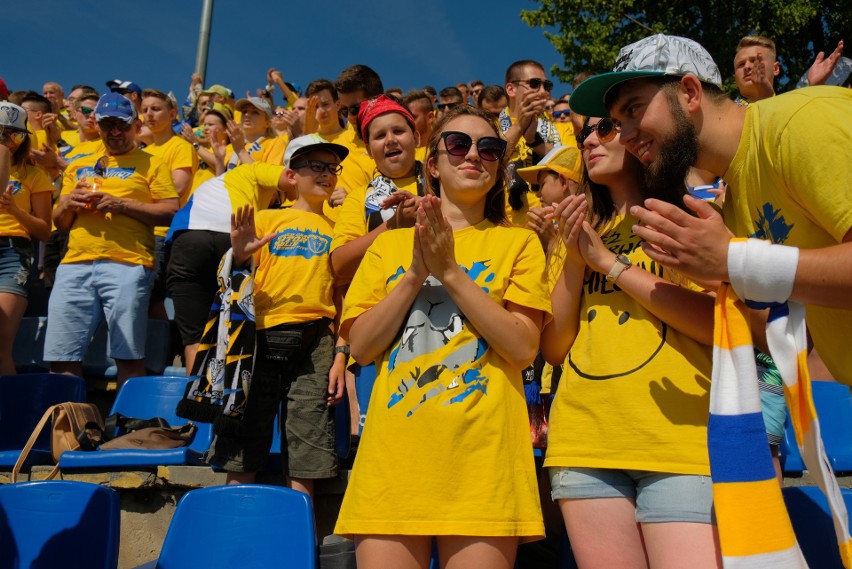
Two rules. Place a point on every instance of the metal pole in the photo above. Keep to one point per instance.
(204, 39)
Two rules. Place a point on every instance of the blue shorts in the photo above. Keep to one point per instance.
(659, 496)
(15, 263)
(85, 292)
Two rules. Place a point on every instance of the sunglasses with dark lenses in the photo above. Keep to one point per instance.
(489, 148)
(535, 83)
(86, 111)
(319, 166)
(351, 110)
(443, 107)
(606, 130)
(560, 114)
(110, 125)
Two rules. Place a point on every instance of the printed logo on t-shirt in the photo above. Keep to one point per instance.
(300, 243)
(771, 225)
(14, 187)
(121, 173)
(434, 326)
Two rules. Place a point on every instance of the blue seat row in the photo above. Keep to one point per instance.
(28, 349)
(76, 525)
(833, 403)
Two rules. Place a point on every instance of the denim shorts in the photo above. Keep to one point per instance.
(659, 496)
(84, 293)
(15, 263)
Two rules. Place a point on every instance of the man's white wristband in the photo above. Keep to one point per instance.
(761, 271)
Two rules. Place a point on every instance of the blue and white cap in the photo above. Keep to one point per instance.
(115, 105)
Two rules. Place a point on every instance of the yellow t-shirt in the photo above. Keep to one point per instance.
(788, 183)
(420, 154)
(634, 392)
(518, 217)
(117, 237)
(358, 167)
(201, 175)
(446, 448)
(360, 212)
(293, 280)
(176, 153)
(566, 132)
(71, 137)
(89, 148)
(264, 149)
(25, 180)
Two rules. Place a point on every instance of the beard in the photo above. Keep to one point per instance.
(665, 179)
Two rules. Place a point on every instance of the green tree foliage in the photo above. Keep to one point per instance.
(589, 34)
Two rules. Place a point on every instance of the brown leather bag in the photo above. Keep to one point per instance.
(73, 426)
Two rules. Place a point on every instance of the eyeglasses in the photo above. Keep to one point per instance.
(443, 107)
(605, 128)
(548, 107)
(319, 167)
(560, 114)
(489, 148)
(13, 136)
(535, 83)
(86, 111)
(279, 114)
(111, 125)
(351, 110)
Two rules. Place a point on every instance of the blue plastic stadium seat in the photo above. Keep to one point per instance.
(59, 523)
(28, 349)
(145, 398)
(791, 459)
(157, 350)
(833, 403)
(24, 399)
(262, 526)
(812, 523)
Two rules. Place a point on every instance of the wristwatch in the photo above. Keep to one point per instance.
(622, 263)
(342, 350)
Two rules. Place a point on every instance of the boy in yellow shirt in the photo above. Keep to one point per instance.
(294, 309)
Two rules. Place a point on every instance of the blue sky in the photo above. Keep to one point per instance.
(153, 43)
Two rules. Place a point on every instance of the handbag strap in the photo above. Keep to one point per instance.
(29, 446)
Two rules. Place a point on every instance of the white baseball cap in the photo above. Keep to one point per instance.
(309, 142)
(654, 56)
(13, 117)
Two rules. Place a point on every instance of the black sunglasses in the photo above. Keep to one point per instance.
(535, 83)
(351, 110)
(565, 113)
(447, 106)
(319, 166)
(605, 128)
(489, 148)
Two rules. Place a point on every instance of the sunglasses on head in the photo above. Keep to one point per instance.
(350, 110)
(489, 148)
(447, 106)
(605, 128)
(559, 114)
(535, 83)
(319, 166)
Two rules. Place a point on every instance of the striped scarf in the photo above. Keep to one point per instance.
(754, 527)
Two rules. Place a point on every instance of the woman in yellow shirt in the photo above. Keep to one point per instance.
(24, 213)
(451, 311)
(627, 445)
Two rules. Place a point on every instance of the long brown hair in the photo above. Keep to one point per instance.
(495, 199)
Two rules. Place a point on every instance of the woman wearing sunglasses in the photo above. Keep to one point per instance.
(450, 310)
(25, 208)
(627, 446)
